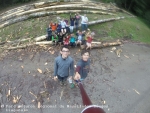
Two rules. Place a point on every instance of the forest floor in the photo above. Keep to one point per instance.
(118, 84)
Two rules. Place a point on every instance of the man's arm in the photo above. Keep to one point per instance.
(55, 70)
(77, 75)
(70, 16)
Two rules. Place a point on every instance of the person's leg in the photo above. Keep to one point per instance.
(73, 44)
(77, 42)
(87, 45)
(90, 46)
(62, 30)
(71, 29)
(65, 30)
(65, 80)
(86, 26)
(82, 27)
(60, 79)
(80, 43)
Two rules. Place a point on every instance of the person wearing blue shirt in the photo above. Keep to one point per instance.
(63, 66)
(72, 40)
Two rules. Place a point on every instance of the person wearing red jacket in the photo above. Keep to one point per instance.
(89, 42)
(66, 40)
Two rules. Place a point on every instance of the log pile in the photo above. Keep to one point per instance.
(53, 7)
(57, 7)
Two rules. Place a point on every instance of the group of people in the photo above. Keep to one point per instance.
(64, 66)
(62, 33)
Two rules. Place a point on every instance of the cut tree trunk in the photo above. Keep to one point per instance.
(44, 43)
(40, 38)
(106, 44)
(62, 7)
(103, 45)
(50, 3)
(20, 47)
(9, 22)
(39, 14)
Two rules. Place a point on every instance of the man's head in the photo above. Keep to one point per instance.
(85, 55)
(64, 52)
(80, 32)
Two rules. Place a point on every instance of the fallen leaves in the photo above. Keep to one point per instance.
(136, 91)
(22, 67)
(16, 99)
(39, 70)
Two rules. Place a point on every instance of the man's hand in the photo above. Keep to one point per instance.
(77, 76)
(55, 78)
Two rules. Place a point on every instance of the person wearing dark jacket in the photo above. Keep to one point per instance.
(83, 66)
(49, 33)
(72, 20)
(77, 19)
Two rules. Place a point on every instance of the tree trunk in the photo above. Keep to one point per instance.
(106, 44)
(9, 22)
(62, 7)
(44, 43)
(102, 45)
(39, 14)
(37, 39)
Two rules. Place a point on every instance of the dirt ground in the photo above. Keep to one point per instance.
(118, 85)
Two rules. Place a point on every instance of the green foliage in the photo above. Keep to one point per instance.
(139, 7)
(131, 28)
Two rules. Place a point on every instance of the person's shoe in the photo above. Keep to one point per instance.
(65, 82)
(61, 83)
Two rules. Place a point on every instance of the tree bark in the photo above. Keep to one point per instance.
(102, 45)
(62, 7)
(40, 38)
(20, 47)
(39, 14)
(9, 22)
(106, 44)
(44, 43)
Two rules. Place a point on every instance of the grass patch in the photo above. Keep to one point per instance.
(127, 28)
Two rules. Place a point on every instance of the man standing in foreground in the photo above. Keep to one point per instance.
(83, 66)
(64, 66)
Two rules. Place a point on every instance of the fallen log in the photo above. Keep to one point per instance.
(106, 44)
(40, 38)
(102, 45)
(47, 13)
(19, 40)
(44, 43)
(13, 13)
(2, 43)
(20, 47)
(25, 7)
(22, 18)
(62, 7)
(49, 3)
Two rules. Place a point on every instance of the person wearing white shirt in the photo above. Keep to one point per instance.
(84, 22)
(63, 26)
